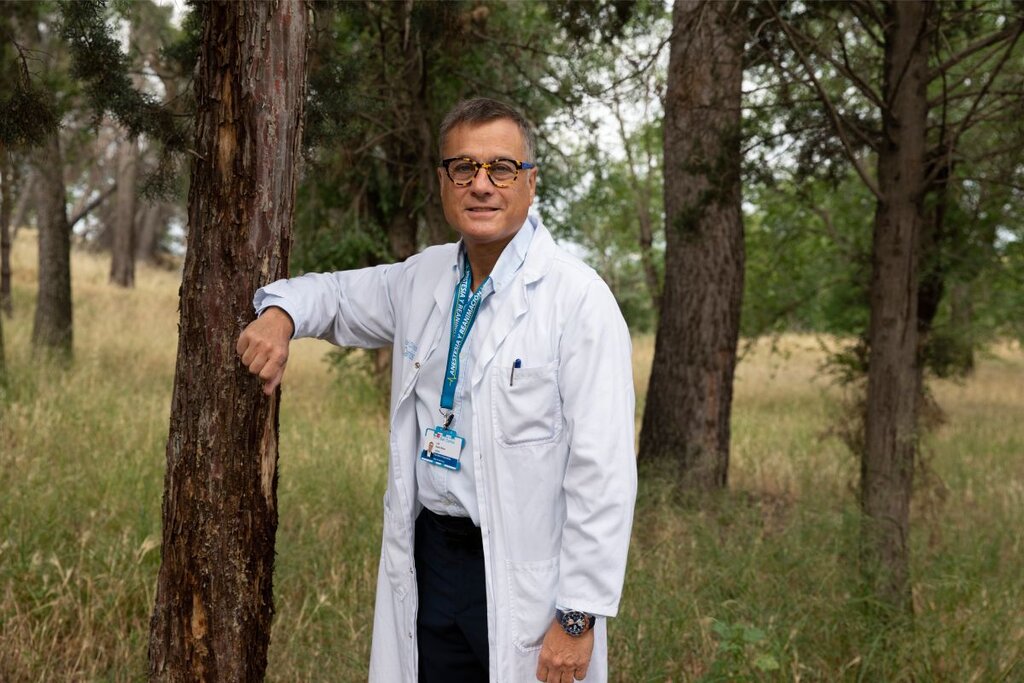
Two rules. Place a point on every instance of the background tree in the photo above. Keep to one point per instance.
(26, 117)
(689, 399)
(214, 598)
(943, 72)
(52, 325)
(115, 82)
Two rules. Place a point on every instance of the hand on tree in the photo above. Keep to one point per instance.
(263, 346)
(563, 657)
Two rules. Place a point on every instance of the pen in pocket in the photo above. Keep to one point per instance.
(512, 376)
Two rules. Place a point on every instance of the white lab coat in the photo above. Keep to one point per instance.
(554, 458)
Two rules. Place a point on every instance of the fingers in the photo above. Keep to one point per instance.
(559, 674)
(263, 349)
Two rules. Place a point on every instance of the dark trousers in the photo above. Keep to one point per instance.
(452, 622)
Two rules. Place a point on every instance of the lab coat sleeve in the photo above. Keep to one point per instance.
(348, 308)
(596, 385)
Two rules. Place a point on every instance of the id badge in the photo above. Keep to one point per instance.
(442, 447)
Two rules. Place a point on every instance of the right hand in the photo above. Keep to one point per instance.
(263, 346)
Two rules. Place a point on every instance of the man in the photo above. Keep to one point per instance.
(511, 476)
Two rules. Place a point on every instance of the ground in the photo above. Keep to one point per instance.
(756, 584)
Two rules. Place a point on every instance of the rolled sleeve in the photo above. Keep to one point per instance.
(348, 308)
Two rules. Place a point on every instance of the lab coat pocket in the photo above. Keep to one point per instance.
(525, 410)
(532, 587)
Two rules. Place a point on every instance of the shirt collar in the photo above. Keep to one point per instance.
(512, 256)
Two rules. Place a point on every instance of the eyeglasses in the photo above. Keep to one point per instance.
(502, 172)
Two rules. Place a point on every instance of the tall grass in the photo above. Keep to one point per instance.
(756, 584)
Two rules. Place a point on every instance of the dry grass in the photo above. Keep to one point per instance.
(757, 584)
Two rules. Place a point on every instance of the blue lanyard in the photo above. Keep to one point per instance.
(464, 310)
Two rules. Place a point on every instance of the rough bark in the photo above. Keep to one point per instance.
(6, 181)
(122, 261)
(686, 419)
(214, 602)
(887, 466)
(51, 330)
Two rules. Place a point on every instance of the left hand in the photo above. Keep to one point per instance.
(563, 657)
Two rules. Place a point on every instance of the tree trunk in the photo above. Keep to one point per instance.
(3, 362)
(152, 221)
(122, 261)
(893, 393)
(686, 419)
(6, 178)
(214, 602)
(27, 190)
(6, 181)
(51, 330)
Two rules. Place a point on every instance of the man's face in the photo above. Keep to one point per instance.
(481, 212)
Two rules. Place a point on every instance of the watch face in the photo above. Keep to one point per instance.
(574, 623)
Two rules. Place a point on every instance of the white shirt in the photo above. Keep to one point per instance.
(443, 491)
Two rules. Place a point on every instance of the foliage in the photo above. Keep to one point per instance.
(381, 81)
(28, 111)
(808, 257)
(97, 60)
(602, 218)
(741, 653)
(813, 124)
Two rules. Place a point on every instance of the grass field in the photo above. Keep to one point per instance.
(758, 584)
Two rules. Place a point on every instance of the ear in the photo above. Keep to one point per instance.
(532, 178)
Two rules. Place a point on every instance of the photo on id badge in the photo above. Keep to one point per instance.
(442, 447)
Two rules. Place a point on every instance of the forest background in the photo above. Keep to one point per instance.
(763, 571)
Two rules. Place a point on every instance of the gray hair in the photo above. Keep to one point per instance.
(484, 110)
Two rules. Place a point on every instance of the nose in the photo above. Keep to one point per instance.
(481, 184)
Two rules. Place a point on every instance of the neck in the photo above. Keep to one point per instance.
(482, 258)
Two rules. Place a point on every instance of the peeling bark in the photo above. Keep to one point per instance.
(214, 601)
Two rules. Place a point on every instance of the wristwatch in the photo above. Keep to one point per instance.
(574, 622)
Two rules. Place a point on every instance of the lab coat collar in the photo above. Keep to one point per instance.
(537, 244)
(510, 306)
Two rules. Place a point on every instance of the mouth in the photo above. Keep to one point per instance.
(482, 209)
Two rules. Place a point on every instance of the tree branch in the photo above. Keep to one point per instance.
(837, 121)
(952, 142)
(88, 208)
(980, 44)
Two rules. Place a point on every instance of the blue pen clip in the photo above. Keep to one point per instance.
(512, 376)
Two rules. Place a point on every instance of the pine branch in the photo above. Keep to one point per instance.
(837, 120)
(965, 122)
(991, 39)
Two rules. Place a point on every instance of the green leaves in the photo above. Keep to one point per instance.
(743, 652)
(97, 60)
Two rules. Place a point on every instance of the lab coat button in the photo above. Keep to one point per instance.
(417, 364)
